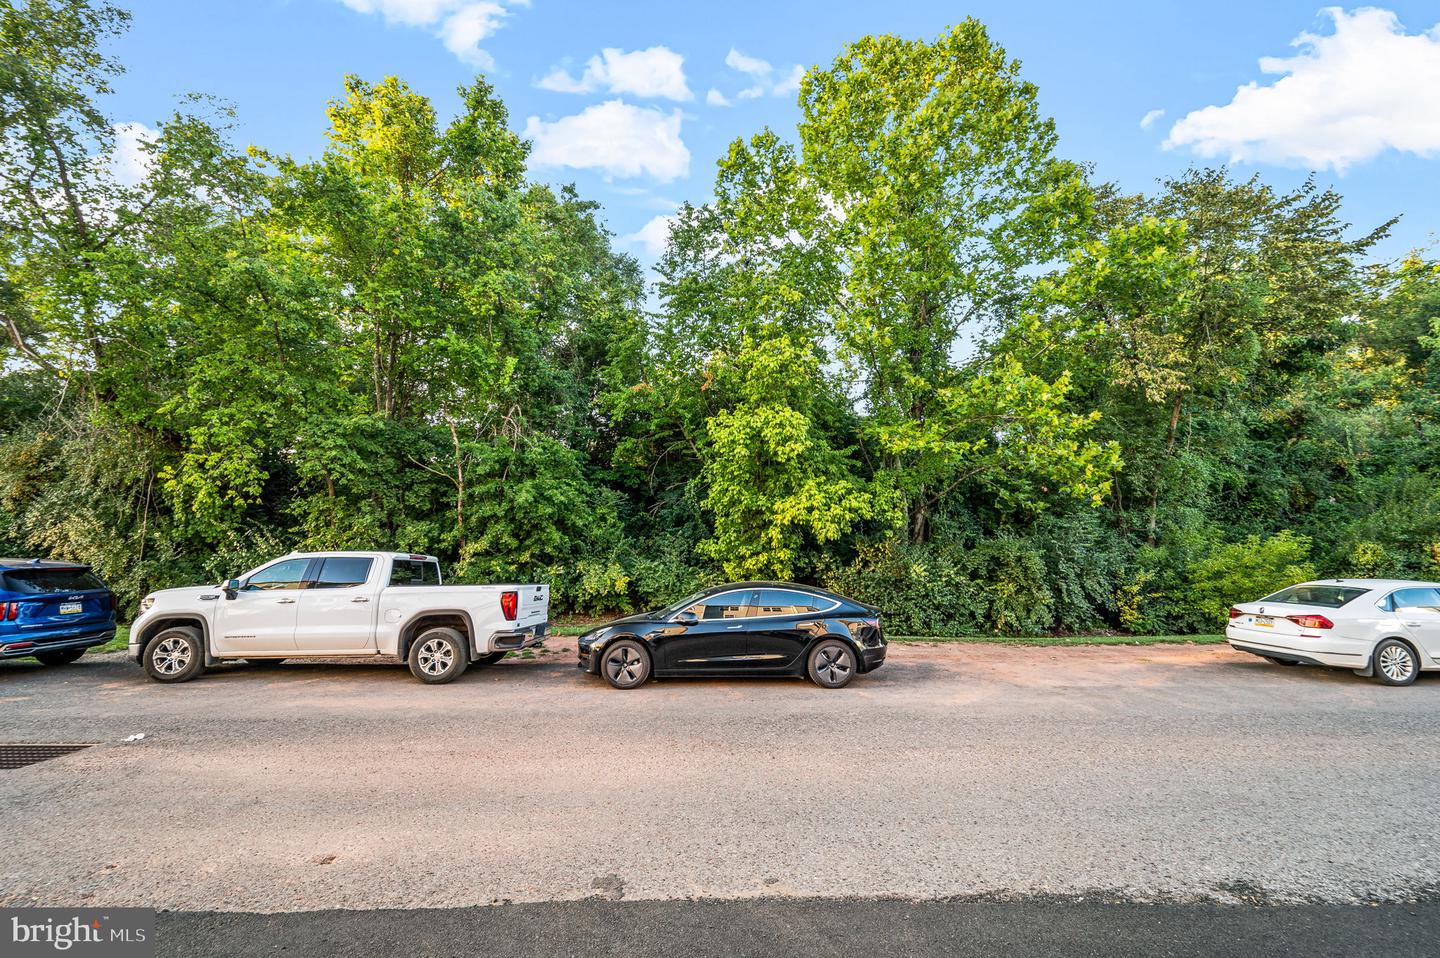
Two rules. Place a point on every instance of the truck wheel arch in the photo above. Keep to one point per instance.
(437, 618)
(152, 629)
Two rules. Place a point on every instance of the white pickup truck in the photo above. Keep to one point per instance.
(328, 604)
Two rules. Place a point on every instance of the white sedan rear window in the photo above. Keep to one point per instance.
(1325, 596)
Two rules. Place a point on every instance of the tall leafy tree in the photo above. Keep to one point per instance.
(56, 192)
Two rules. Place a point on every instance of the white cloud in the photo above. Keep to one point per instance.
(464, 29)
(655, 72)
(791, 83)
(620, 139)
(1150, 118)
(762, 73)
(716, 98)
(412, 13)
(653, 236)
(128, 162)
(754, 66)
(1342, 99)
(462, 25)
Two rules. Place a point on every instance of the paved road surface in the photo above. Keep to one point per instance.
(1187, 775)
(842, 929)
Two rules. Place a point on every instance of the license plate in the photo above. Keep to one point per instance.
(1263, 621)
(71, 608)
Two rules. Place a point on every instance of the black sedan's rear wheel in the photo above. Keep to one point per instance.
(59, 656)
(831, 664)
(626, 664)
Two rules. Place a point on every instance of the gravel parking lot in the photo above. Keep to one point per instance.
(1168, 773)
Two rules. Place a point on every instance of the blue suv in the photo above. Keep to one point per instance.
(52, 610)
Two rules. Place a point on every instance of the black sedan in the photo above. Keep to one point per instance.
(745, 628)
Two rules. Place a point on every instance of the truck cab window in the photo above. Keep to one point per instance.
(342, 573)
(414, 572)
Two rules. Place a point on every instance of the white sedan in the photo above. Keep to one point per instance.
(1388, 628)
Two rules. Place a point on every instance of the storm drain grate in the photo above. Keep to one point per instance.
(18, 756)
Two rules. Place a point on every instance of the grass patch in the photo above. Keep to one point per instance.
(1057, 640)
(117, 644)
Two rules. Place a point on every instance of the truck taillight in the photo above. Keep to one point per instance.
(509, 604)
(1235, 613)
(1311, 621)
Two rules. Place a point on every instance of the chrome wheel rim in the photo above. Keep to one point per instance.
(833, 665)
(171, 656)
(1396, 662)
(625, 666)
(436, 656)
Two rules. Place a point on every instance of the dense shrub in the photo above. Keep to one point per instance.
(1180, 590)
(935, 589)
(1085, 565)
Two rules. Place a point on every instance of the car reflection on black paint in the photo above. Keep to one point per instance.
(744, 628)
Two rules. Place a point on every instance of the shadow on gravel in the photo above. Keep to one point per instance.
(845, 928)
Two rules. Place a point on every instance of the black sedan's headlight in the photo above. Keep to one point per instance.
(590, 638)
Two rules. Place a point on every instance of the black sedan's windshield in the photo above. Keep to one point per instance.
(684, 603)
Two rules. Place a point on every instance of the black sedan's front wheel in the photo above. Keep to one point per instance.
(626, 664)
(831, 664)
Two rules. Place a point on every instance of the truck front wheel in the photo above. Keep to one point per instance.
(175, 655)
(439, 656)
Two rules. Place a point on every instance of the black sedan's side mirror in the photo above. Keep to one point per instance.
(687, 618)
(231, 587)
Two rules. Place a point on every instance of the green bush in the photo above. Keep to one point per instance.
(921, 590)
(1085, 566)
(1194, 596)
(1008, 577)
(998, 586)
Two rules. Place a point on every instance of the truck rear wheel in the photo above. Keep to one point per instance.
(439, 656)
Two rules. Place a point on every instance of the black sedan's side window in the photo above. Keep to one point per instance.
(790, 602)
(731, 605)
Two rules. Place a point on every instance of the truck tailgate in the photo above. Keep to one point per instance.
(534, 605)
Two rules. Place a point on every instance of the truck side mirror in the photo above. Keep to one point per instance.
(687, 618)
(231, 587)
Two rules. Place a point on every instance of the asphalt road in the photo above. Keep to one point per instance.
(1194, 779)
(839, 929)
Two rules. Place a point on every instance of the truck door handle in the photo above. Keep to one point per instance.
(1415, 625)
(286, 601)
(360, 598)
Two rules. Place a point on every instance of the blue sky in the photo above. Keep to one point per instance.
(638, 128)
